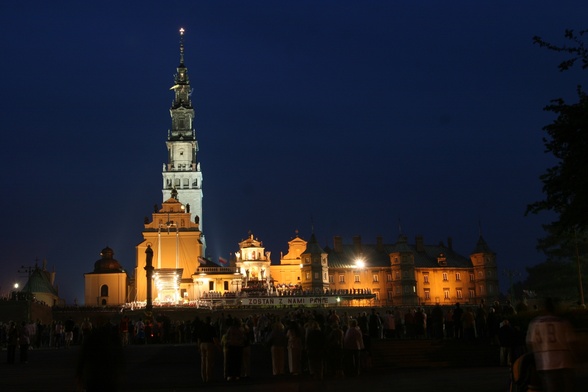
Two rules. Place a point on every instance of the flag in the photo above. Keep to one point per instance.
(222, 260)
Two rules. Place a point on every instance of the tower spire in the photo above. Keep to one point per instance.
(182, 47)
(182, 170)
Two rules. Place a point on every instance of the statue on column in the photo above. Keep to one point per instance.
(149, 269)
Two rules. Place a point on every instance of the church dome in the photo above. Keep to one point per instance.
(107, 264)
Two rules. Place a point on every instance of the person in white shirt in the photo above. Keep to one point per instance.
(551, 340)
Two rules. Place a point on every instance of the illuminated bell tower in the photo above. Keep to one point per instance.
(182, 171)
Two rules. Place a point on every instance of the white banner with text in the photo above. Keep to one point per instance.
(277, 301)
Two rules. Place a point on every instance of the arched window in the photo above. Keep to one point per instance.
(104, 291)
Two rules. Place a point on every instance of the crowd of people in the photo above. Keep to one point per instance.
(315, 341)
(392, 323)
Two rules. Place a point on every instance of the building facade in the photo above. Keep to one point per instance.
(287, 273)
(397, 274)
(108, 283)
(253, 264)
(213, 281)
(41, 287)
(175, 240)
(314, 268)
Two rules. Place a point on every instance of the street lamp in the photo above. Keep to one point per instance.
(360, 263)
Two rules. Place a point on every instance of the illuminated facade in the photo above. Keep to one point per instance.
(214, 281)
(176, 244)
(400, 273)
(108, 284)
(314, 271)
(253, 263)
(287, 273)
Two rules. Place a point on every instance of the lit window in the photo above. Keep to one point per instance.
(308, 276)
(458, 276)
(446, 293)
(376, 278)
(356, 278)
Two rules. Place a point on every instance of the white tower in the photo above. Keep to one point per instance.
(182, 171)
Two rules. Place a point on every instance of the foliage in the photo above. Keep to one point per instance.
(557, 279)
(564, 245)
(565, 185)
(578, 50)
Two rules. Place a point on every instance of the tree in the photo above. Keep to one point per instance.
(553, 279)
(565, 185)
(578, 50)
(563, 246)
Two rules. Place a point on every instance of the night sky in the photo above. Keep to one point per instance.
(353, 117)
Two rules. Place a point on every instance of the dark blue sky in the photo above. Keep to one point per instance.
(353, 115)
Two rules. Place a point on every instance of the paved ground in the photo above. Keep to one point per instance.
(153, 368)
